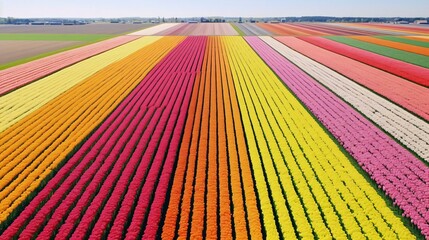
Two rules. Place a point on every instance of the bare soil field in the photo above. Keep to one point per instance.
(14, 50)
(99, 28)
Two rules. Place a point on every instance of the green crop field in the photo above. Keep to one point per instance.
(385, 51)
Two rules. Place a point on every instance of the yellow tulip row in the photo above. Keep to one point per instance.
(23, 101)
(306, 186)
(37, 144)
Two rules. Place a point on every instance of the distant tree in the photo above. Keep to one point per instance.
(9, 20)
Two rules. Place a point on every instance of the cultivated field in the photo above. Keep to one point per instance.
(98, 28)
(14, 50)
(290, 131)
(24, 43)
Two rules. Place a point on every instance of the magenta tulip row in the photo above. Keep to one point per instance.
(401, 175)
(120, 175)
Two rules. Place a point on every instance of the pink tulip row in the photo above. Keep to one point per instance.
(404, 93)
(200, 29)
(125, 167)
(15, 77)
(410, 130)
(401, 175)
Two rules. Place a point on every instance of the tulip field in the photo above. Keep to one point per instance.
(221, 131)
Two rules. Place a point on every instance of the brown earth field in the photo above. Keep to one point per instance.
(96, 28)
(14, 50)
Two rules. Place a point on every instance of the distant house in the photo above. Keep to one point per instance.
(54, 23)
(421, 22)
(22, 22)
(192, 21)
(275, 21)
(401, 22)
(38, 23)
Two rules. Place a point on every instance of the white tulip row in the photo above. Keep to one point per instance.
(155, 29)
(410, 130)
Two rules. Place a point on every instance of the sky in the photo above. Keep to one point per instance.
(227, 8)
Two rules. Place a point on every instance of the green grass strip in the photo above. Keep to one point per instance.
(405, 40)
(239, 31)
(54, 37)
(412, 58)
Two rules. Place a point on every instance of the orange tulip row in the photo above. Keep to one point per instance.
(213, 171)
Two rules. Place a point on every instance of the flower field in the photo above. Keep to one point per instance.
(187, 131)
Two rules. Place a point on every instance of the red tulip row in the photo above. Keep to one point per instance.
(125, 167)
(15, 77)
(408, 71)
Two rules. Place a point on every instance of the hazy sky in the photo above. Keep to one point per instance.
(187, 8)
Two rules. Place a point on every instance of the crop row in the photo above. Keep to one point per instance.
(125, 165)
(418, 38)
(333, 30)
(207, 29)
(284, 30)
(406, 39)
(396, 45)
(213, 171)
(28, 99)
(410, 29)
(408, 71)
(312, 188)
(401, 175)
(155, 30)
(15, 77)
(404, 93)
(249, 29)
(31, 149)
(408, 57)
(355, 31)
(321, 29)
(412, 131)
(372, 31)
